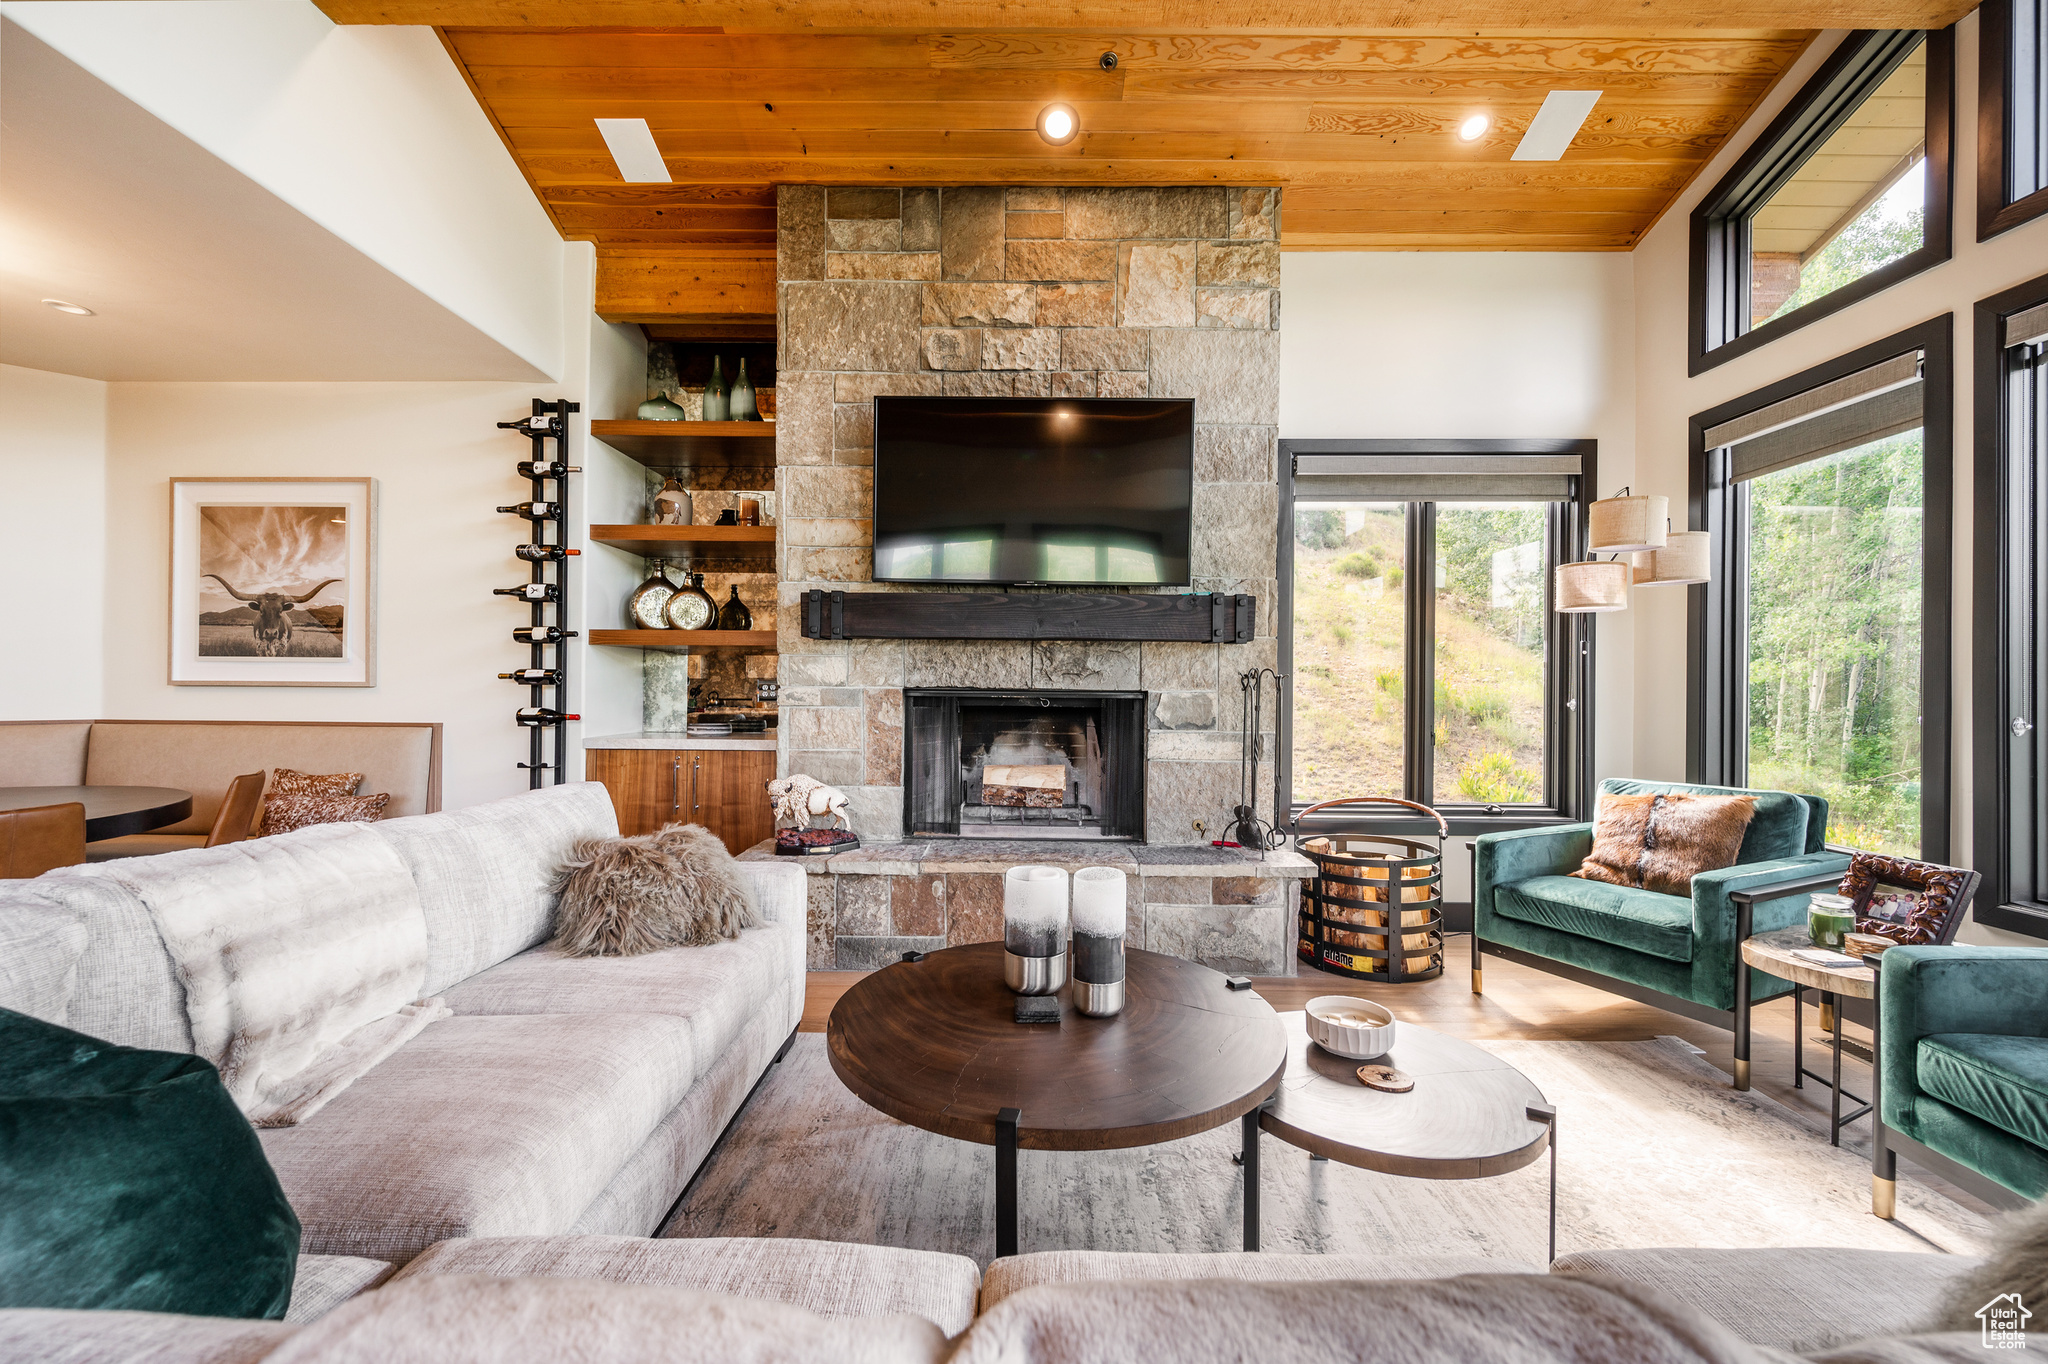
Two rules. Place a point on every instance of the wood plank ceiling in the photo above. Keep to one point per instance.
(1357, 125)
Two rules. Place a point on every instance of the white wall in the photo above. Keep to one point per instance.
(53, 459)
(1666, 397)
(441, 467)
(1475, 345)
(369, 131)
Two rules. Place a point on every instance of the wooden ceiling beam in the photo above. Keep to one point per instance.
(1308, 17)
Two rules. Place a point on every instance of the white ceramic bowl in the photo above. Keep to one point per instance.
(1354, 1042)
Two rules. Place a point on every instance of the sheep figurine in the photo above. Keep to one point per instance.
(798, 797)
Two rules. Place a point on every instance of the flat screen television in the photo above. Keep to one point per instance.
(1059, 491)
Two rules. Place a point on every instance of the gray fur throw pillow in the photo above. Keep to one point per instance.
(676, 887)
(2017, 1264)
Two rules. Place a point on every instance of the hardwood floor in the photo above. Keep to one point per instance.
(1527, 1004)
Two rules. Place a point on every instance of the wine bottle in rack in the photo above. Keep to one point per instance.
(535, 511)
(534, 677)
(543, 554)
(539, 716)
(539, 424)
(545, 468)
(530, 592)
(542, 634)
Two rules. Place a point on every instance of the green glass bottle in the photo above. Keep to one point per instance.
(743, 409)
(717, 404)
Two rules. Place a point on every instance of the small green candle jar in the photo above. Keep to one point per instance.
(1828, 917)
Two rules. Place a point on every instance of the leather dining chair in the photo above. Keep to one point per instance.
(41, 838)
(237, 810)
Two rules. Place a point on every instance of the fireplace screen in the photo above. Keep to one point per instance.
(1047, 764)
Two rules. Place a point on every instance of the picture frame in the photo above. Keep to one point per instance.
(1937, 893)
(272, 582)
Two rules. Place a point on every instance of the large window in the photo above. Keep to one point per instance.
(1845, 194)
(2012, 114)
(1820, 646)
(1424, 659)
(2011, 622)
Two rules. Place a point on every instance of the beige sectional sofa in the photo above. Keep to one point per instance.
(512, 1161)
(621, 1300)
(564, 1095)
(203, 756)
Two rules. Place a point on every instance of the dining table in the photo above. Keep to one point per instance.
(110, 811)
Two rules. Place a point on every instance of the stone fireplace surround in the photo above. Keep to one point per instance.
(1167, 292)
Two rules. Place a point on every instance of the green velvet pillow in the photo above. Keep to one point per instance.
(132, 1182)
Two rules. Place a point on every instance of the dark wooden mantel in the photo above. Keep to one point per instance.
(1201, 617)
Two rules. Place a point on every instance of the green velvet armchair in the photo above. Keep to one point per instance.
(1962, 1048)
(1675, 953)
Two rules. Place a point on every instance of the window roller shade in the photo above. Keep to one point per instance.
(2024, 329)
(1436, 478)
(1854, 410)
(1850, 388)
(1844, 428)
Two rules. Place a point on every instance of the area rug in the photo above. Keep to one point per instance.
(1654, 1149)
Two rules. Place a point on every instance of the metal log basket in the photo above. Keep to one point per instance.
(1374, 910)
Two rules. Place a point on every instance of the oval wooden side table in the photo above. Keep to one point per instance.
(1471, 1115)
(1771, 953)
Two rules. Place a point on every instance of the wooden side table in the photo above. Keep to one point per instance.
(1771, 953)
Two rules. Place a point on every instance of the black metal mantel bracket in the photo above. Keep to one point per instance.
(1203, 617)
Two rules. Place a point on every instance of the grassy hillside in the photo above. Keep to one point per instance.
(1348, 650)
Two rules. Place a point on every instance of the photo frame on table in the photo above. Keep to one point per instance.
(1898, 898)
(272, 582)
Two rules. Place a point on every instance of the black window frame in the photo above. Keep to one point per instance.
(1998, 805)
(1717, 330)
(1717, 694)
(1997, 99)
(1568, 646)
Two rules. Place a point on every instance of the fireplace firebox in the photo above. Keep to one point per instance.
(1024, 764)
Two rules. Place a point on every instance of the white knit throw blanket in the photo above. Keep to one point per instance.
(302, 958)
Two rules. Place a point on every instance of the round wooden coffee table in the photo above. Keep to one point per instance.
(933, 1043)
(1471, 1115)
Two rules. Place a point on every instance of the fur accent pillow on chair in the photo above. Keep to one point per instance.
(676, 887)
(1660, 842)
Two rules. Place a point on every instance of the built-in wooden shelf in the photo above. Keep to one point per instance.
(753, 545)
(675, 447)
(700, 641)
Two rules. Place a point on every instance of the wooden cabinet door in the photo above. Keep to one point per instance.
(726, 791)
(646, 785)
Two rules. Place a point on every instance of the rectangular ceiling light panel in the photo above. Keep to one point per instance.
(632, 147)
(1555, 125)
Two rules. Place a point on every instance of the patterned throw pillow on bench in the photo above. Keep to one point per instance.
(299, 799)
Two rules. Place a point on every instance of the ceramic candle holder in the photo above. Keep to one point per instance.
(1098, 951)
(1035, 929)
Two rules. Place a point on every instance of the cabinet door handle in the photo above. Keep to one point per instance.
(675, 786)
(695, 763)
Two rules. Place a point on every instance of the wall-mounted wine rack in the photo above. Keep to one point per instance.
(548, 588)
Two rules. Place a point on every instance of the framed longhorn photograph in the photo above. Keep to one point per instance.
(271, 582)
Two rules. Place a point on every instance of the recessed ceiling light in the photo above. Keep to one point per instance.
(1555, 125)
(1474, 128)
(61, 306)
(1057, 124)
(631, 144)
